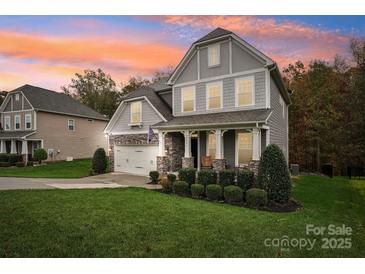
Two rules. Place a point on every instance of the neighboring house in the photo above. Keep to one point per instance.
(33, 117)
(225, 100)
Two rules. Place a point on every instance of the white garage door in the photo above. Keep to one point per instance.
(135, 159)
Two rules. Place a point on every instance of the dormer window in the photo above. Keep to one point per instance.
(17, 97)
(136, 112)
(214, 55)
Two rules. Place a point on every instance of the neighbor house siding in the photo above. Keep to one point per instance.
(228, 95)
(149, 117)
(276, 122)
(81, 143)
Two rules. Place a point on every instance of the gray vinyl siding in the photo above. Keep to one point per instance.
(149, 117)
(229, 144)
(276, 122)
(190, 72)
(242, 60)
(167, 97)
(263, 139)
(221, 69)
(203, 143)
(228, 95)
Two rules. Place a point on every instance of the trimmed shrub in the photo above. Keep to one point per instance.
(166, 185)
(181, 188)
(256, 197)
(233, 194)
(4, 157)
(154, 176)
(213, 192)
(245, 179)
(4, 164)
(207, 177)
(197, 190)
(30, 163)
(20, 164)
(273, 175)
(40, 155)
(226, 177)
(171, 177)
(187, 175)
(14, 158)
(100, 161)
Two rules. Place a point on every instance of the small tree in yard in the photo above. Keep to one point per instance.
(273, 174)
(40, 155)
(100, 162)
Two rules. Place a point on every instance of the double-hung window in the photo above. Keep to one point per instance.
(213, 55)
(71, 124)
(7, 123)
(214, 95)
(245, 91)
(244, 148)
(136, 112)
(188, 99)
(28, 121)
(17, 122)
(211, 147)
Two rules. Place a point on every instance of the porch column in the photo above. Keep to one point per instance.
(161, 143)
(187, 137)
(218, 144)
(2, 147)
(256, 144)
(25, 150)
(13, 147)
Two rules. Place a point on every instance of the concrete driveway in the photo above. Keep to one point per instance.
(110, 180)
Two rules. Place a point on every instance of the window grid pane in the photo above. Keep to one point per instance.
(136, 112)
(213, 53)
(188, 99)
(214, 96)
(244, 148)
(211, 145)
(244, 92)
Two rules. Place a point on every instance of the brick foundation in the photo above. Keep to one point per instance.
(187, 162)
(219, 164)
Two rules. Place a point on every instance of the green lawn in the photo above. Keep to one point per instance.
(74, 169)
(143, 223)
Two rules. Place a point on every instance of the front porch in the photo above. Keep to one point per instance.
(21, 146)
(214, 148)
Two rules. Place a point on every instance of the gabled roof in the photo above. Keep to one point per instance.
(214, 119)
(15, 134)
(50, 101)
(214, 34)
(161, 85)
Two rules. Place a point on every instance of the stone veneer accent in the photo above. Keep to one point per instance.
(187, 162)
(174, 144)
(163, 164)
(219, 164)
(130, 139)
(254, 166)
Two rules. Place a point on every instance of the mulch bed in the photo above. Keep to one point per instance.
(291, 206)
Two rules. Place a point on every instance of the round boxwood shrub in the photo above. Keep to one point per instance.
(40, 155)
(197, 190)
(171, 177)
(273, 174)
(245, 179)
(256, 197)
(166, 185)
(154, 176)
(226, 177)
(4, 164)
(20, 164)
(100, 162)
(207, 177)
(233, 194)
(213, 192)
(181, 188)
(187, 175)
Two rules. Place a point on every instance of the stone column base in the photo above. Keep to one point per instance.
(254, 166)
(187, 162)
(163, 164)
(219, 164)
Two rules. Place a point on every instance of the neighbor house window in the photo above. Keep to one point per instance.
(17, 97)
(188, 99)
(244, 91)
(214, 55)
(28, 121)
(136, 112)
(71, 124)
(214, 95)
(7, 122)
(17, 121)
(244, 147)
(211, 145)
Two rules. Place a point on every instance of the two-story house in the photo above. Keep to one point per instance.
(225, 101)
(32, 117)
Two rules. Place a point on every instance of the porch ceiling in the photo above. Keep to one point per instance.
(217, 119)
(15, 134)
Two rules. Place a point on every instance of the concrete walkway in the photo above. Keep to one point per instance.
(110, 180)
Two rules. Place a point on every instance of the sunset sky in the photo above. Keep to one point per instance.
(48, 50)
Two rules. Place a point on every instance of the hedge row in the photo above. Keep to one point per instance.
(11, 158)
